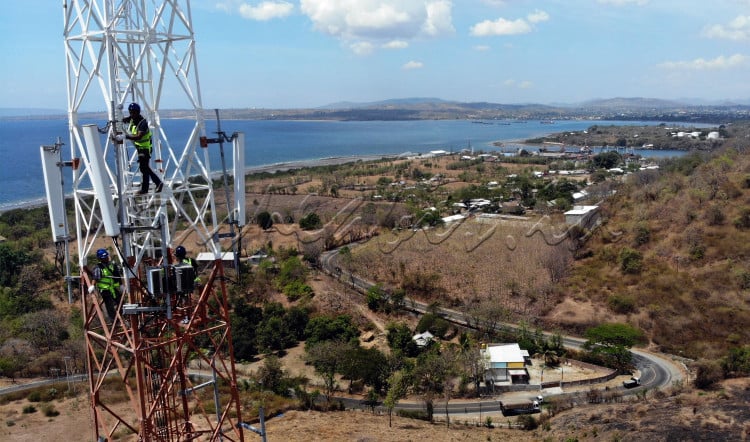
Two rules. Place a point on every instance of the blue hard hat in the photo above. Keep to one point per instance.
(180, 252)
(134, 107)
(102, 254)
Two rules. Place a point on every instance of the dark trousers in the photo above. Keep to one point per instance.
(144, 160)
(111, 301)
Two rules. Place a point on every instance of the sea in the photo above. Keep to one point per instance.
(276, 142)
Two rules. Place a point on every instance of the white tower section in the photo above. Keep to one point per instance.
(124, 51)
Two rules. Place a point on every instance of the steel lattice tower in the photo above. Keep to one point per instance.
(143, 51)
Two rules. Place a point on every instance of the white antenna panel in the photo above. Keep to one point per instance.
(98, 176)
(55, 194)
(238, 156)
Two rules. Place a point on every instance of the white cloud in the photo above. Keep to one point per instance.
(503, 26)
(518, 84)
(396, 44)
(481, 48)
(265, 11)
(500, 26)
(439, 19)
(623, 2)
(378, 21)
(718, 63)
(738, 29)
(537, 16)
(412, 65)
(362, 47)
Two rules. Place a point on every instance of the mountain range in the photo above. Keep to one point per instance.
(436, 108)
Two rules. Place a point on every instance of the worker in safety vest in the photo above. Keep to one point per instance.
(182, 258)
(107, 277)
(140, 134)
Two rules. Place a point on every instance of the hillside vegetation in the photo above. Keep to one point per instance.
(672, 255)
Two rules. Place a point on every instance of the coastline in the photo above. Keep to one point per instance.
(268, 168)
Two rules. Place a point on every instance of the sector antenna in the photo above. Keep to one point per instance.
(168, 349)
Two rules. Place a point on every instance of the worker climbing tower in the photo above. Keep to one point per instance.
(167, 352)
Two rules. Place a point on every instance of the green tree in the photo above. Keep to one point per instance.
(369, 365)
(611, 343)
(328, 359)
(434, 324)
(296, 319)
(606, 160)
(430, 374)
(291, 270)
(244, 321)
(396, 390)
(376, 298)
(327, 328)
(273, 335)
(311, 221)
(737, 362)
(271, 374)
(11, 262)
(399, 339)
(631, 261)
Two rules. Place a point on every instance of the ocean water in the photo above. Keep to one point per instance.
(273, 142)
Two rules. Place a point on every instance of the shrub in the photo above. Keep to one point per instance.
(631, 261)
(50, 411)
(527, 422)
(715, 216)
(642, 234)
(707, 373)
(28, 409)
(297, 290)
(622, 304)
(413, 414)
(311, 221)
(743, 220)
(743, 279)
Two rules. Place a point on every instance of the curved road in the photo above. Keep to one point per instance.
(656, 369)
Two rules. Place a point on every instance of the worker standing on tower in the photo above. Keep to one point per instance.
(140, 134)
(184, 298)
(182, 258)
(107, 276)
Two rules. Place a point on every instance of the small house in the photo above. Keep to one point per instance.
(585, 216)
(503, 363)
(423, 339)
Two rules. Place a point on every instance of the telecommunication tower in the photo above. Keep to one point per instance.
(169, 352)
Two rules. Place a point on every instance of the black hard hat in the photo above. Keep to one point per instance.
(180, 252)
(134, 107)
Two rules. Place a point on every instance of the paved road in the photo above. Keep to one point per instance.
(657, 370)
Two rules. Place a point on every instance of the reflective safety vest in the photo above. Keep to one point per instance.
(190, 262)
(145, 142)
(108, 283)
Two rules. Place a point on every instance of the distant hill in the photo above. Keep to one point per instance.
(425, 108)
(390, 102)
(633, 103)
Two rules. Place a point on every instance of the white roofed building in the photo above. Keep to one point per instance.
(503, 363)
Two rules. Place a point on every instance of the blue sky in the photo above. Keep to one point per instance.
(308, 53)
